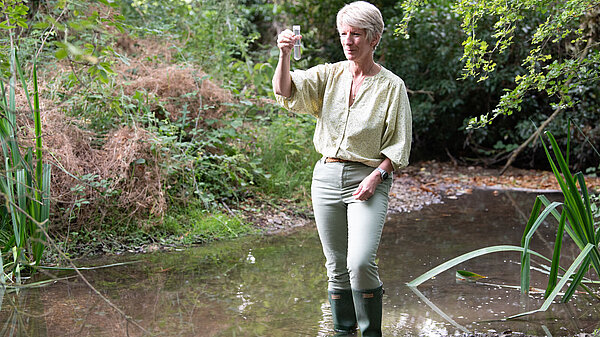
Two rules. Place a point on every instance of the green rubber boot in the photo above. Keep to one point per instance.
(368, 305)
(342, 309)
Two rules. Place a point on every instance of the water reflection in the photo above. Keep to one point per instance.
(276, 286)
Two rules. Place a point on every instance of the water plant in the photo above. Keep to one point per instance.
(575, 217)
(25, 179)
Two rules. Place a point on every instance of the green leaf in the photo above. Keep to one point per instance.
(61, 53)
(6, 25)
(553, 277)
(525, 259)
(41, 25)
(463, 275)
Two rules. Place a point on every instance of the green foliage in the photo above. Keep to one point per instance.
(196, 225)
(561, 45)
(213, 33)
(200, 158)
(184, 225)
(78, 32)
(491, 43)
(430, 63)
(14, 15)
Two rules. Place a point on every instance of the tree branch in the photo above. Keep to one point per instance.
(426, 92)
(539, 130)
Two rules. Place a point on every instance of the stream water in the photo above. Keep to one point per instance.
(276, 285)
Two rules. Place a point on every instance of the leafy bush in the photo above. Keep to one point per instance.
(212, 33)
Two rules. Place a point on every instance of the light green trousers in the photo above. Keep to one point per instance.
(349, 229)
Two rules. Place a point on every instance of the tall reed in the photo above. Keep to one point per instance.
(25, 179)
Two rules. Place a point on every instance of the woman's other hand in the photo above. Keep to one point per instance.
(367, 187)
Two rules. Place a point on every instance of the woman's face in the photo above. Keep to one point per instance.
(355, 43)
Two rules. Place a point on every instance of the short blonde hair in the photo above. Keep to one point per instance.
(361, 14)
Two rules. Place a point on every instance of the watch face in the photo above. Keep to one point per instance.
(383, 173)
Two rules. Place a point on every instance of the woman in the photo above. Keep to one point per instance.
(363, 132)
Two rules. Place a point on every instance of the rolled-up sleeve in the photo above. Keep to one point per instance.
(308, 87)
(397, 137)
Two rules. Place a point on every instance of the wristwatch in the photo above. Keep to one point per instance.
(382, 173)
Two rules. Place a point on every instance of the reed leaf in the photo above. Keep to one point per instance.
(577, 278)
(21, 76)
(587, 214)
(568, 228)
(2, 275)
(570, 191)
(10, 200)
(525, 241)
(467, 256)
(535, 211)
(553, 276)
(576, 203)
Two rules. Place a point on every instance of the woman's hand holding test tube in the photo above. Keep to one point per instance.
(287, 40)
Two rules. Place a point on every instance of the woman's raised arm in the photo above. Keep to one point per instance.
(282, 81)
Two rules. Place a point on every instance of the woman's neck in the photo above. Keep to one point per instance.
(363, 69)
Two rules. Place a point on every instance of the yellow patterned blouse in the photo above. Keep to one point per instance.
(377, 124)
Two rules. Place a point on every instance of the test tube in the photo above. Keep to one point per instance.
(297, 51)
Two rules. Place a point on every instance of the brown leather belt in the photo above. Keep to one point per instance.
(337, 160)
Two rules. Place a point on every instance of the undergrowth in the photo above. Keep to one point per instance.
(182, 226)
(146, 129)
(287, 156)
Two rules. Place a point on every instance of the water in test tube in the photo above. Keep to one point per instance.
(297, 51)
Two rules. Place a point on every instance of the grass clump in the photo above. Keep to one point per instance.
(195, 225)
